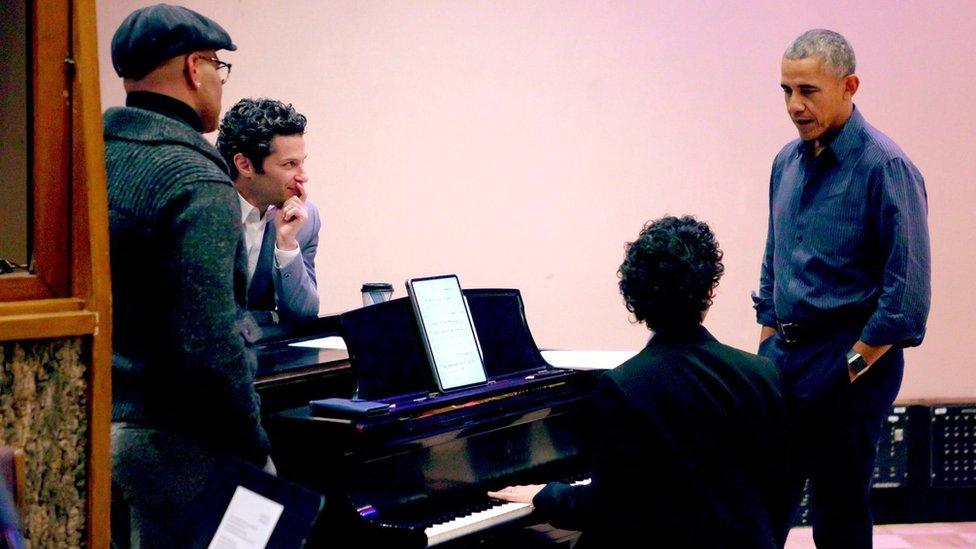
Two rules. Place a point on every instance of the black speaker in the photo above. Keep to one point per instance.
(891, 463)
(953, 446)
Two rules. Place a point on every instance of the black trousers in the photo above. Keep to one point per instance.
(835, 426)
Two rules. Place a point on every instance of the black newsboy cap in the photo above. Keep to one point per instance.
(153, 34)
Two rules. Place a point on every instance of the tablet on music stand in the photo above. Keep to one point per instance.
(447, 332)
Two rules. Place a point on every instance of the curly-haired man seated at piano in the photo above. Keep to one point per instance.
(687, 439)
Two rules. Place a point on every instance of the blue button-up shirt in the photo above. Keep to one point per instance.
(848, 237)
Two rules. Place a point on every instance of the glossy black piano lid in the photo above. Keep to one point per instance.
(385, 350)
(387, 353)
(276, 355)
(417, 483)
(506, 342)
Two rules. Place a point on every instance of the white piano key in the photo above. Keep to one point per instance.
(481, 520)
(461, 526)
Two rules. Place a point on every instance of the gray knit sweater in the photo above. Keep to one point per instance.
(179, 361)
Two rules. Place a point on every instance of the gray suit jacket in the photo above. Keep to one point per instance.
(293, 290)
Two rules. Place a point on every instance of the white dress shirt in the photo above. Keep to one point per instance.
(254, 225)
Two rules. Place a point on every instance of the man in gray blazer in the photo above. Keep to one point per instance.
(263, 144)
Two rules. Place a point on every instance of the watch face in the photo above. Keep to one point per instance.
(857, 364)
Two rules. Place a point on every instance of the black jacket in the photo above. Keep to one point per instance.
(689, 449)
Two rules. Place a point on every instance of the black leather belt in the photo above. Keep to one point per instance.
(799, 332)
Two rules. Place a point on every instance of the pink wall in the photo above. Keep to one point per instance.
(521, 143)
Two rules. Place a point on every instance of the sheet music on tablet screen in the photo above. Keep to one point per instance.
(449, 332)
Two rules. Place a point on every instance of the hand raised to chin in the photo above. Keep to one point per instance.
(289, 218)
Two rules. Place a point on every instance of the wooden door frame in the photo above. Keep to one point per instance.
(69, 291)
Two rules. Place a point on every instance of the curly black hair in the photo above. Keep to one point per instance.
(669, 272)
(251, 124)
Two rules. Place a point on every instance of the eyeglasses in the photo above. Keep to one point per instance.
(223, 69)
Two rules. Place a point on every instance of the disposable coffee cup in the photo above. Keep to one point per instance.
(376, 292)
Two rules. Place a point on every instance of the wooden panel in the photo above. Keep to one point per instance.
(41, 306)
(47, 325)
(91, 268)
(51, 138)
(70, 228)
(22, 286)
(50, 134)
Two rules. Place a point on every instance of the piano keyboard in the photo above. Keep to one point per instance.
(496, 515)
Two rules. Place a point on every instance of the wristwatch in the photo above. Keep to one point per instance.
(856, 363)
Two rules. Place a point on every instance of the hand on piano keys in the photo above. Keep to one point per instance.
(518, 504)
(518, 494)
(493, 515)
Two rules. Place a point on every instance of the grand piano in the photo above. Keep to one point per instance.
(290, 375)
(416, 476)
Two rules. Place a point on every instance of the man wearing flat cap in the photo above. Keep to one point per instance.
(183, 394)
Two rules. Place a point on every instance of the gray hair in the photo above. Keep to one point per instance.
(834, 49)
